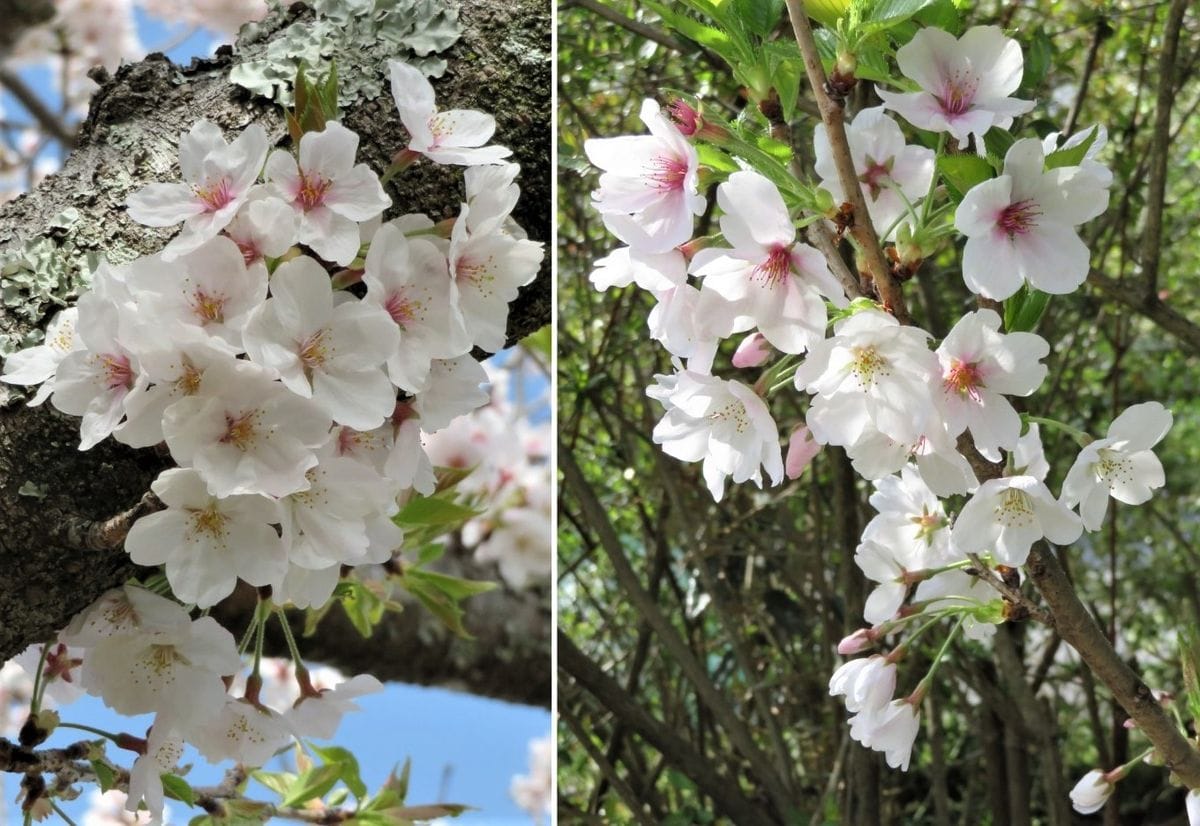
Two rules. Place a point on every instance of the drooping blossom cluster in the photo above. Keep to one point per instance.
(290, 350)
(900, 403)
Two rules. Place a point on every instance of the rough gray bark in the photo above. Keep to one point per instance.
(130, 138)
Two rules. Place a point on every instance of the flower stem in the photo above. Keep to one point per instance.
(1083, 439)
(927, 681)
(39, 684)
(91, 730)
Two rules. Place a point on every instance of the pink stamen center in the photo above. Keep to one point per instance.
(1017, 219)
(215, 196)
(965, 379)
(776, 267)
(250, 252)
(209, 308)
(958, 95)
(311, 193)
(117, 372)
(241, 431)
(875, 176)
(668, 172)
(400, 308)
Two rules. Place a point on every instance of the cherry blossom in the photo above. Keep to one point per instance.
(648, 192)
(520, 544)
(330, 352)
(802, 448)
(966, 83)
(893, 175)
(164, 748)
(264, 227)
(866, 683)
(1021, 226)
(454, 136)
(454, 389)
(655, 272)
(246, 433)
(124, 610)
(218, 177)
(240, 730)
(721, 423)
(327, 192)
(38, 364)
(1121, 465)
(1091, 792)
(321, 715)
(891, 730)
(768, 280)
(886, 567)
(1090, 164)
(208, 543)
(980, 366)
(910, 521)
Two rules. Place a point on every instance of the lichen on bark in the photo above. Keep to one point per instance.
(130, 138)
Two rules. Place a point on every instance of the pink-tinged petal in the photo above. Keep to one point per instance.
(163, 205)
(328, 153)
(246, 156)
(625, 154)
(751, 352)
(1141, 426)
(755, 215)
(929, 57)
(281, 170)
(980, 208)
(462, 128)
(357, 194)
(468, 156)
(884, 602)
(998, 58)
(412, 92)
(802, 448)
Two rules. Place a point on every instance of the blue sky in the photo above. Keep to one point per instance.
(465, 747)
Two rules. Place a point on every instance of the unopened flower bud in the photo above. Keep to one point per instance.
(686, 119)
(860, 640)
(1092, 792)
(802, 447)
(752, 352)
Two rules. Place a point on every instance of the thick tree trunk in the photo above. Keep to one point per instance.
(130, 138)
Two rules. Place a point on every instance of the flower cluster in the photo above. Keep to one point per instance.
(906, 408)
(290, 349)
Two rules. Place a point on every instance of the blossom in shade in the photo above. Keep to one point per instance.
(966, 83)
(979, 367)
(1121, 465)
(453, 136)
(648, 193)
(1090, 164)
(767, 279)
(892, 174)
(723, 424)
(207, 543)
(865, 683)
(328, 193)
(891, 730)
(802, 448)
(38, 364)
(1021, 226)
(328, 351)
(884, 566)
(1091, 792)
(217, 179)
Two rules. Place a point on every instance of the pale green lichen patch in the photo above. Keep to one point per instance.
(359, 36)
(38, 277)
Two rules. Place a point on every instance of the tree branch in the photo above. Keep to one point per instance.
(47, 120)
(833, 115)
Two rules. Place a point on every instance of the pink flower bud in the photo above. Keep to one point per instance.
(801, 450)
(752, 352)
(860, 640)
(686, 119)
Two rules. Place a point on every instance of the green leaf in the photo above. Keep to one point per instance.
(364, 608)
(176, 788)
(714, 158)
(1073, 156)
(1038, 57)
(887, 13)
(962, 172)
(453, 587)
(1189, 655)
(312, 784)
(350, 774)
(104, 774)
(759, 16)
(697, 32)
(1024, 309)
(278, 782)
(433, 510)
(436, 602)
(826, 12)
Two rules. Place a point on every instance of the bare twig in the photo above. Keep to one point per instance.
(46, 119)
(833, 115)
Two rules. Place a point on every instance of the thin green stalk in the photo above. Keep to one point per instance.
(39, 684)
(933, 182)
(1083, 439)
(62, 814)
(91, 730)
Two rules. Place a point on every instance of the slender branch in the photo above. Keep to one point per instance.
(109, 534)
(1013, 595)
(643, 30)
(1157, 188)
(833, 115)
(1152, 307)
(627, 795)
(1079, 629)
(46, 119)
(821, 238)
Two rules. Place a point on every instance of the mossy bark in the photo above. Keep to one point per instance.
(130, 137)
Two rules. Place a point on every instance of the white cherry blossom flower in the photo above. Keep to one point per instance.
(1121, 465)
(871, 372)
(980, 366)
(330, 352)
(1021, 226)
(409, 279)
(38, 364)
(96, 381)
(208, 543)
(164, 748)
(327, 192)
(910, 521)
(488, 269)
(492, 194)
(264, 227)
(686, 322)
(407, 462)
(455, 388)
(241, 731)
(1007, 515)
(891, 730)
(320, 716)
(866, 683)
(885, 566)
(966, 83)
(306, 588)
(1091, 792)
(176, 670)
(655, 272)
(208, 288)
(520, 545)
(648, 193)
(453, 136)
(768, 280)
(246, 433)
(217, 178)
(889, 171)
(124, 610)
(723, 424)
